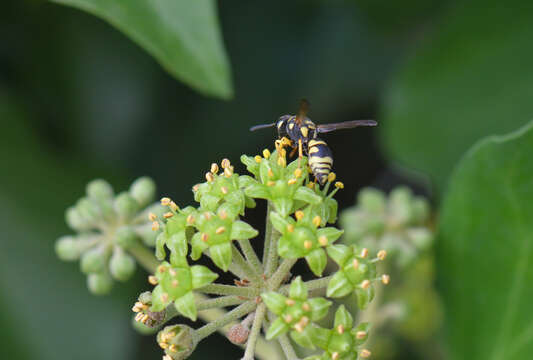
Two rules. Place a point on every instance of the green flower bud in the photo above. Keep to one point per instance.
(177, 341)
(99, 189)
(372, 200)
(420, 237)
(126, 237)
(148, 236)
(400, 205)
(143, 190)
(75, 220)
(99, 283)
(93, 261)
(68, 248)
(121, 265)
(125, 205)
(88, 210)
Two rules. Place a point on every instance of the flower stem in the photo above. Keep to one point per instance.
(220, 289)
(281, 273)
(240, 261)
(287, 347)
(271, 245)
(251, 256)
(145, 257)
(219, 302)
(254, 333)
(217, 324)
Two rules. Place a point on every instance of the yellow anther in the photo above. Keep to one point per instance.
(174, 206)
(138, 317)
(173, 348)
(355, 264)
(308, 244)
(289, 302)
(323, 240)
(168, 215)
(364, 253)
(204, 237)
(175, 283)
(155, 226)
(385, 279)
(317, 220)
(209, 176)
(152, 216)
(223, 214)
(365, 284)
(340, 329)
(228, 171)
(311, 185)
(300, 326)
(365, 353)
(335, 356)
(224, 190)
(382, 254)
(299, 214)
(225, 163)
(292, 181)
(266, 153)
(165, 201)
(152, 280)
(298, 172)
(332, 176)
(190, 219)
(282, 162)
(164, 297)
(207, 215)
(258, 159)
(339, 185)
(306, 307)
(290, 228)
(288, 318)
(360, 335)
(161, 268)
(220, 230)
(271, 183)
(196, 187)
(270, 173)
(163, 345)
(167, 357)
(214, 168)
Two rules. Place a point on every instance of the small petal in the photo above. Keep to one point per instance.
(343, 317)
(202, 276)
(278, 327)
(339, 286)
(317, 261)
(274, 301)
(221, 255)
(298, 290)
(242, 231)
(186, 306)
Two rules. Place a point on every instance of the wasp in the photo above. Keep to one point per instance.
(303, 135)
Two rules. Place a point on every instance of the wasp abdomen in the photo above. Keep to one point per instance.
(320, 159)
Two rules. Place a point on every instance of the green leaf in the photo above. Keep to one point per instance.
(283, 206)
(186, 306)
(485, 250)
(178, 243)
(221, 255)
(307, 195)
(343, 317)
(339, 253)
(202, 276)
(467, 80)
(304, 338)
(339, 286)
(257, 191)
(182, 35)
(198, 246)
(364, 297)
(274, 301)
(278, 327)
(317, 261)
(160, 242)
(319, 308)
(298, 290)
(242, 231)
(331, 233)
(279, 222)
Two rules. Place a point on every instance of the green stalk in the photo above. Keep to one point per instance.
(254, 332)
(287, 347)
(219, 302)
(271, 245)
(251, 256)
(145, 257)
(221, 289)
(240, 261)
(281, 273)
(217, 324)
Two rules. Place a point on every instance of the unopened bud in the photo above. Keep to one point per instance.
(238, 334)
(143, 191)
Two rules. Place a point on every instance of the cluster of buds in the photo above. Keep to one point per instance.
(397, 223)
(108, 226)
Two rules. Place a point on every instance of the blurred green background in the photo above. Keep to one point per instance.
(80, 100)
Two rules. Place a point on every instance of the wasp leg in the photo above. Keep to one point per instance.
(300, 152)
(293, 152)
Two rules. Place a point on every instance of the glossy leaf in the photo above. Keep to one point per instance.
(183, 36)
(485, 250)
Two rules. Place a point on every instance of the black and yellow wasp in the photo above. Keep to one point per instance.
(303, 136)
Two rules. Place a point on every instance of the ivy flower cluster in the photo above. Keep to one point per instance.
(110, 231)
(264, 295)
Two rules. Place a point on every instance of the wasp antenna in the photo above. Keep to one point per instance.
(263, 126)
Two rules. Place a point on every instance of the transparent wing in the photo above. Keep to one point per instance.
(323, 128)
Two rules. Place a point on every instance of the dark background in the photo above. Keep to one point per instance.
(79, 100)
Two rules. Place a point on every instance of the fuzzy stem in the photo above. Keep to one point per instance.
(221, 289)
(254, 333)
(281, 273)
(318, 283)
(251, 256)
(217, 324)
(145, 257)
(219, 302)
(271, 245)
(287, 347)
(240, 261)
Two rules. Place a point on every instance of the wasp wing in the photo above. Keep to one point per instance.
(263, 126)
(324, 128)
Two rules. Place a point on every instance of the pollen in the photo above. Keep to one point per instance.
(364, 253)
(360, 335)
(289, 302)
(288, 318)
(270, 173)
(224, 190)
(214, 168)
(339, 185)
(165, 201)
(382, 254)
(257, 159)
(168, 215)
(204, 237)
(292, 181)
(220, 230)
(266, 153)
(311, 185)
(228, 171)
(332, 176)
(308, 244)
(355, 264)
(225, 163)
(271, 183)
(207, 215)
(340, 329)
(152, 216)
(299, 214)
(190, 219)
(155, 226)
(161, 268)
(138, 317)
(163, 345)
(209, 177)
(290, 228)
(365, 353)
(306, 307)
(317, 220)
(282, 162)
(223, 214)
(298, 172)
(365, 284)
(323, 240)
(385, 279)
(152, 280)
(174, 206)
(173, 348)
